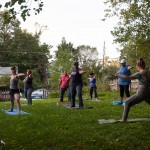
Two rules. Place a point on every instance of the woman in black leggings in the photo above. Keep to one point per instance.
(143, 92)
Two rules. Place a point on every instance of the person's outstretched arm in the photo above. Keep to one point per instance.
(126, 77)
(81, 72)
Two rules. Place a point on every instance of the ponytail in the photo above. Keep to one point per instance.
(141, 63)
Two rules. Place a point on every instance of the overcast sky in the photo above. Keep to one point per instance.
(76, 20)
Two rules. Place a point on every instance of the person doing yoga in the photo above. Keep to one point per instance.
(28, 87)
(14, 90)
(124, 84)
(76, 85)
(143, 91)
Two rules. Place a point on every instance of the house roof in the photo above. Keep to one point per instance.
(5, 71)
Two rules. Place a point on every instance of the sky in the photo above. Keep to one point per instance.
(76, 20)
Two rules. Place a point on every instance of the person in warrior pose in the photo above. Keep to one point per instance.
(14, 90)
(76, 85)
(143, 92)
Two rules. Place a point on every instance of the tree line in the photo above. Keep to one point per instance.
(23, 49)
(132, 33)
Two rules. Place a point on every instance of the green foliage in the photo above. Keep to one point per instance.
(57, 128)
(24, 50)
(88, 60)
(63, 61)
(132, 31)
(87, 57)
(54, 94)
(25, 9)
(4, 81)
(63, 55)
(103, 85)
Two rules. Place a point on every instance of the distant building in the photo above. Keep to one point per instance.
(5, 71)
(110, 61)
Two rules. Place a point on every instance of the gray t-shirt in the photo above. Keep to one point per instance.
(142, 79)
(14, 80)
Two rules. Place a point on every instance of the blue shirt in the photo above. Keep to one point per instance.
(124, 71)
(92, 82)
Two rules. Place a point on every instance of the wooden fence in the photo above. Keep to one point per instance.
(4, 95)
(115, 87)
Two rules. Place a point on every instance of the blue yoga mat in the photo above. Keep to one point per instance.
(15, 112)
(118, 102)
(76, 106)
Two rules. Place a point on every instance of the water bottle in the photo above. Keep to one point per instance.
(57, 104)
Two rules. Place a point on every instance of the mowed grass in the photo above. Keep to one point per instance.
(52, 127)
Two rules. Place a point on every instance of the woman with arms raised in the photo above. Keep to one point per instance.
(14, 89)
(143, 92)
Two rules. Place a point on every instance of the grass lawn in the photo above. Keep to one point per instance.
(52, 127)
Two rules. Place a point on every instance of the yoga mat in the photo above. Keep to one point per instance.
(76, 106)
(118, 103)
(105, 121)
(109, 121)
(15, 112)
(95, 100)
(138, 119)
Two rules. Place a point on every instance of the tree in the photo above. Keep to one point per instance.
(25, 9)
(87, 56)
(64, 58)
(6, 34)
(4, 81)
(24, 50)
(64, 55)
(133, 29)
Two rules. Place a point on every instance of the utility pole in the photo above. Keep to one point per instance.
(103, 53)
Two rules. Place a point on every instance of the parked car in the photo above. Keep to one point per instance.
(40, 94)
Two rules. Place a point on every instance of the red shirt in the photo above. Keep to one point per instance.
(64, 81)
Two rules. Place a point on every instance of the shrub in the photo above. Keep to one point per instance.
(54, 94)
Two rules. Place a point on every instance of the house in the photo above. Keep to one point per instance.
(5, 71)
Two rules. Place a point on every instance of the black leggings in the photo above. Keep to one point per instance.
(124, 88)
(93, 89)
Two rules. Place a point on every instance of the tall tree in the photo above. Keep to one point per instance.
(6, 34)
(88, 60)
(23, 49)
(64, 55)
(64, 58)
(133, 28)
(87, 56)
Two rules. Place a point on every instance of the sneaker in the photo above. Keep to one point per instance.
(72, 106)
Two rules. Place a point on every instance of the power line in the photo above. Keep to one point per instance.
(23, 63)
(22, 52)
